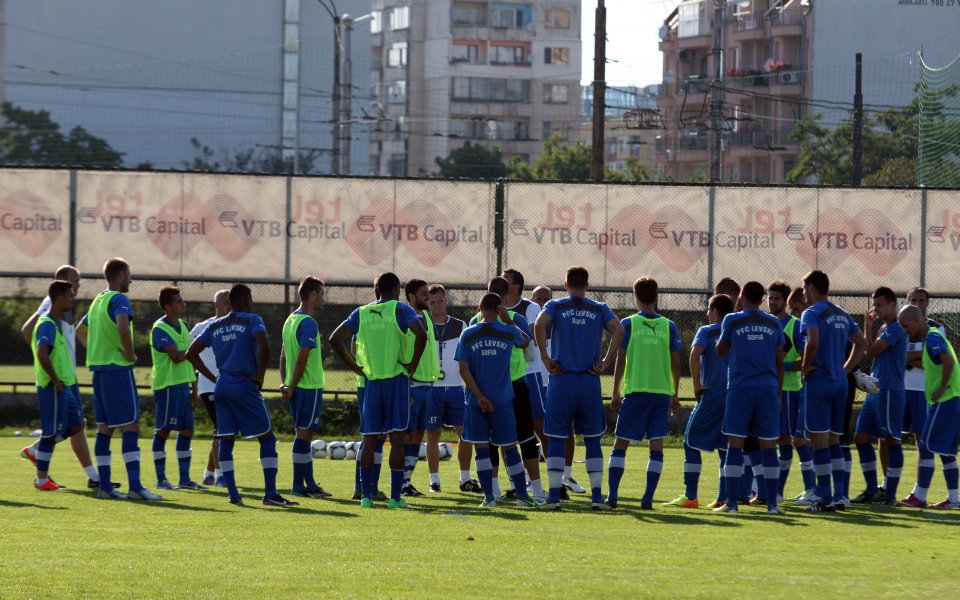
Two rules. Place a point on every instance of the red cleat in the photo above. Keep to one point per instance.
(912, 502)
(27, 453)
(48, 486)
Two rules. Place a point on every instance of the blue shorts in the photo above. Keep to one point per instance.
(643, 415)
(115, 401)
(825, 405)
(752, 410)
(790, 411)
(419, 406)
(537, 396)
(172, 408)
(574, 398)
(498, 427)
(703, 427)
(240, 407)
(798, 430)
(305, 407)
(445, 407)
(59, 413)
(942, 427)
(360, 394)
(386, 406)
(881, 415)
(914, 411)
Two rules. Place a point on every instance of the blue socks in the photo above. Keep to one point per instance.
(396, 483)
(805, 454)
(377, 464)
(821, 466)
(183, 456)
(511, 459)
(366, 482)
(839, 468)
(786, 460)
(615, 471)
(270, 464)
(555, 463)
(733, 473)
(131, 456)
(44, 454)
(771, 475)
(868, 463)
(594, 464)
(654, 468)
(484, 471)
(411, 456)
(692, 464)
(225, 458)
(101, 450)
(159, 457)
(894, 470)
(925, 472)
(756, 460)
(847, 469)
(722, 491)
(950, 474)
(301, 458)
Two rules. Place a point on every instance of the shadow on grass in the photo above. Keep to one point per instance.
(14, 504)
(479, 515)
(686, 518)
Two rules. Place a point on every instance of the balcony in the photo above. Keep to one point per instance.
(470, 31)
(693, 140)
(785, 83)
(787, 23)
(748, 28)
(694, 34)
(510, 34)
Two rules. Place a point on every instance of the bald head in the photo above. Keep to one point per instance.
(69, 273)
(541, 294)
(912, 321)
(221, 302)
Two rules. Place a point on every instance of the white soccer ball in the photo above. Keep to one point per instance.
(423, 452)
(351, 454)
(319, 448)
(867, 383)
(36, 433)
(17, 433)
(445, 451)
(337, 450)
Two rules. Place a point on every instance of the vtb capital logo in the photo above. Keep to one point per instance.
(869, 235)
(29, 222)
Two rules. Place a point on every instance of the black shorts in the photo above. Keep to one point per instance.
(845, 438)
(211, 410)
(521, 411)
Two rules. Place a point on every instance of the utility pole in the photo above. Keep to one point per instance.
(347, 99)
(856, 172)
(716, 94)
(599, 91)
(335, 159)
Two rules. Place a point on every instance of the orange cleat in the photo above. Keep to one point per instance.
(47, 486)
(27, 454)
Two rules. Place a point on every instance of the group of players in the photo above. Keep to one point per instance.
(522, 371)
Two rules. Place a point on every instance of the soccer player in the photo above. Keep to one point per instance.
(203, 388)
(380, 329)
(798, 304)
(754, 340)
(827, 329)
(301, 370)
(709, 374)
(421, 382)
(575, 366)
(172, 377)
(915, 406)
(55, 376)
(78, 442)
(778, 293)
(110, 356)
(941, 428)
(446, 403)
(540, 295)
(882, 414)
(649, 361)
(485, 353)
(240, 345)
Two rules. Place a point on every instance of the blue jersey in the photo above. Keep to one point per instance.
(835, 327)
(713, 369)
(935, 346)
(160, 339)
(890, 365)
(518, 320)
(754, 337)
(487, 348)
(577, 334)
(406, 317)
(307, 331)
(234, 344)
(47, 332)
(119, 305)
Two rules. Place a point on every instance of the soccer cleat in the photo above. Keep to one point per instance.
(144, 494)
(379, 496)
(190, 485)
(47, 486)
(527, 502)
(773, 510)
(757, 501)
(220, 483)
(306, 493)
(553, 506)
(398, 504)
(946, 504)
(209, 480)
(724, 509)
(809, 498)
(434, 488)
(884, 502)
(278, 500)
(601, 507)
(866, 497)
(165, 485)
(319, 492)
(238, 501)
(366, 503)
(715, 504)
(571, 484)
(491, 503)
(357, 495)
(684, 502)
(96, 484)
(843, 501)
(912, 501)
(27, 454)
(800, 496)
(646, 506)
(612, 503)
(510, 494)
(410, 492)
(472, 486)
(821, 507)
(564, 495)
(113, 494)
(60, 486)
(540, 498)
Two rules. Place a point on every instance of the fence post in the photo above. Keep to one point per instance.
(287, 246)
(923, 238)
(498, 218)
(711, 209)
(72, 253)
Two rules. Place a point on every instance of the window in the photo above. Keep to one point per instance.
(480, 89)
(509, 55)
(397, 92)
(510, 16)
(555, 93)
(376, 21)
(692, 20)
(400, 18)
(556, 56)
(469, 13)
(518, 90)
(557, 19)
(461, 88)
(498, 90)
(466, 53)
(397, 57)
(554, 128)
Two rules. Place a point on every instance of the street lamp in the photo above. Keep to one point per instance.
(335, 15)
(348, 23)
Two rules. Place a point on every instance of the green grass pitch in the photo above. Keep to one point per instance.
(194, 544)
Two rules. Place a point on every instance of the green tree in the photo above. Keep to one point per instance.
(249, 160)
(562, 161)
(473, 161)
(32, 138)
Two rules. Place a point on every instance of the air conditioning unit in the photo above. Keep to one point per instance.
(789, 77)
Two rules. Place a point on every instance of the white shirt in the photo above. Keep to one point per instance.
(204, 385)
(448, 336)
(530, 311)
(66, 328)
(913, 379)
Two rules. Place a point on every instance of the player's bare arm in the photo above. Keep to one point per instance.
(471, 383)
(338, 339)
(615, 328)
(193, 355)
(540, 336)
(857, 353)
(418, 346)
(618, 371)
(263, 358)
(123, 326)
